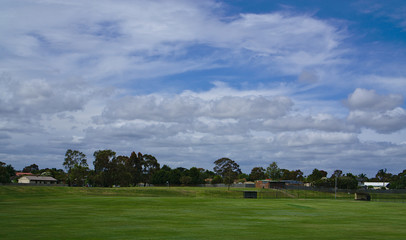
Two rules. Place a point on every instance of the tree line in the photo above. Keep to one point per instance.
(112, 170)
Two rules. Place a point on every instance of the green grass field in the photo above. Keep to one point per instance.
(188, 213)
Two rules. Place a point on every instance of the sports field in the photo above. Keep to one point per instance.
(188, 213)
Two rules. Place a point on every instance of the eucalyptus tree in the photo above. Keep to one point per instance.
(227, 169)
(76, 166)
(273, 171)
(257, 173)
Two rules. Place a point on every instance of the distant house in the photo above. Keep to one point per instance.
(37, 180)
(374, 185)
(277, 184)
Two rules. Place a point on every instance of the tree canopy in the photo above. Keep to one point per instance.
(6, 172)
(227, 169)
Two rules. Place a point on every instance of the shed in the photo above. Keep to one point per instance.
(250, 194)
(37, 180)
(362, 196)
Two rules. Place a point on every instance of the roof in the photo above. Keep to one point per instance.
(23, 173)
(40, 178)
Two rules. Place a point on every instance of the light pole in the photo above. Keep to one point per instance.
(335, 188)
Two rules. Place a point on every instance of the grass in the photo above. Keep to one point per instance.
(188, 213)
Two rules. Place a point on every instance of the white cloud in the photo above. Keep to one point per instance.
(323, 122)
(369, 100)
(186, 107)
(38, 96)
(389, 83)
(134, 38)
(368, 135)
(383, 122)
(377, 112)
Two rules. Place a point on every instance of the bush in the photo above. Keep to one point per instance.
(217, 179)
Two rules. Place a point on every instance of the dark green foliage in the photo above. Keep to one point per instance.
(6, 173)
(228, 169)
(58, 174)
(292, 175)
(103, 167)
(362, 177)
(166, 175)
(344, 182)
(118, 174)
(196, 176)
(175, 175)
(383, 176)
(347, 182)
(162, 176)
(76, 165)
(102, 159)
(150, 166)
(242, 177)
(134, 168)
(398, 181)
(113, 170)
(257, 173)
(208, 174)
(33, 168)
(316, 175)
(185, 180)
(217, 179)
(273, 171)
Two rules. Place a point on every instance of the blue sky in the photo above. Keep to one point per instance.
(308, 84)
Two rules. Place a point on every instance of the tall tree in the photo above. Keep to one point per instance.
(150, 166)
(102, 165)
(362, 177)
(77, 176)
(76, 166)
(6, 172)
(228, 169)
(383, 176)
(196, 176)
(257, 173)
(273, 171)
(134, 166)
(175, 175)
(298, 175)
(118, 171)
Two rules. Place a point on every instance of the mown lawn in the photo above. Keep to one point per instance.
(188, 213)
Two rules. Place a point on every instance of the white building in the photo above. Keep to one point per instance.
(375, 185)
(37, 180)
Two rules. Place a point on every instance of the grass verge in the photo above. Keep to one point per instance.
(188, 213)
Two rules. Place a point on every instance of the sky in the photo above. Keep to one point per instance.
(307, 84)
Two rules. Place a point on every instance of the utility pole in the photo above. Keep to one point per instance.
(335, 188)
